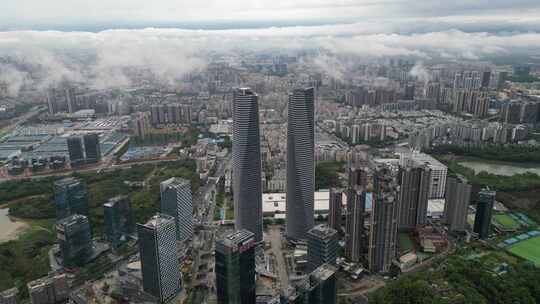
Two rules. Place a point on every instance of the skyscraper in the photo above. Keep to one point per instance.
(384, 220)
(413, 196)
(75, 239)
(484, 209)
(320, 287)
(300, 163)
(176, 201)
(458, 195)
(356, 200)
(486, 79)
(235, 268)
(70, 197)
(335, 209)
(160, 266)
(322, 244)
(119, 224)
(75, 150)
(246, 159)
(92, 148)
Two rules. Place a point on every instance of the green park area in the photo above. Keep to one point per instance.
(470, 275)
(506, 221)
(327, 174)
(405, 242)
(528, 249)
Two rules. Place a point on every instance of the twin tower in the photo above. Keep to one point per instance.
(247, 187)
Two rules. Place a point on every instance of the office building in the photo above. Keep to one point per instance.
(320, 287)
(70, 197)
(335, 209)
(159, 261)
(355, 240)
(235, 268)
(74, 236)
(484, 209)
(246, 162)
(458, 195)
(413, 196)
(323, 245)
(176, 201)
(384, 220)
(92, 148)
(76, 151)
(118, 217)
(49, 290)
(9, 296)
(300, 163)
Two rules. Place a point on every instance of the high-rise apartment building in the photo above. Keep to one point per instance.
(300, 163)
(140, 124)
(413, 195)
(437, 183)
(159, 261)
(76, 151)
(458, 195)
(49, 290)
(384, 220)
(235, 268)
(176, 201)
(355, 240)
(335, 210)
(484, 210)
(74, 236)
(92, 148)
(246, 161)
(323, 245)
(70, 197)
(173, 113)
(9, 296)
(118, 217)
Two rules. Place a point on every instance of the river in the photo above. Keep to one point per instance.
(9, 229)
(500, 168)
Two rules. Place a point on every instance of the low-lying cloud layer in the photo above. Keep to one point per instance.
(168, 54)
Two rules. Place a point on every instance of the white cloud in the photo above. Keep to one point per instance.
(169, 54)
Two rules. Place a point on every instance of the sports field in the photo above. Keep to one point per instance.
(506, 221)
(528, 249)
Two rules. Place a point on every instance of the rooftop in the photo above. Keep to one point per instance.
(72, 219)
(158, 220)
(66, 181)
(322, 273)
(322, 231)
(237, 238)
(112, 201)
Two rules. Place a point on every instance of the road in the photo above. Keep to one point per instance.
(275, 242)
(102, 167)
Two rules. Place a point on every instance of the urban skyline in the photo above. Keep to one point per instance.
(269, 152)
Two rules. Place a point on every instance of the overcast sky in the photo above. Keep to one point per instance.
(61, 14)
